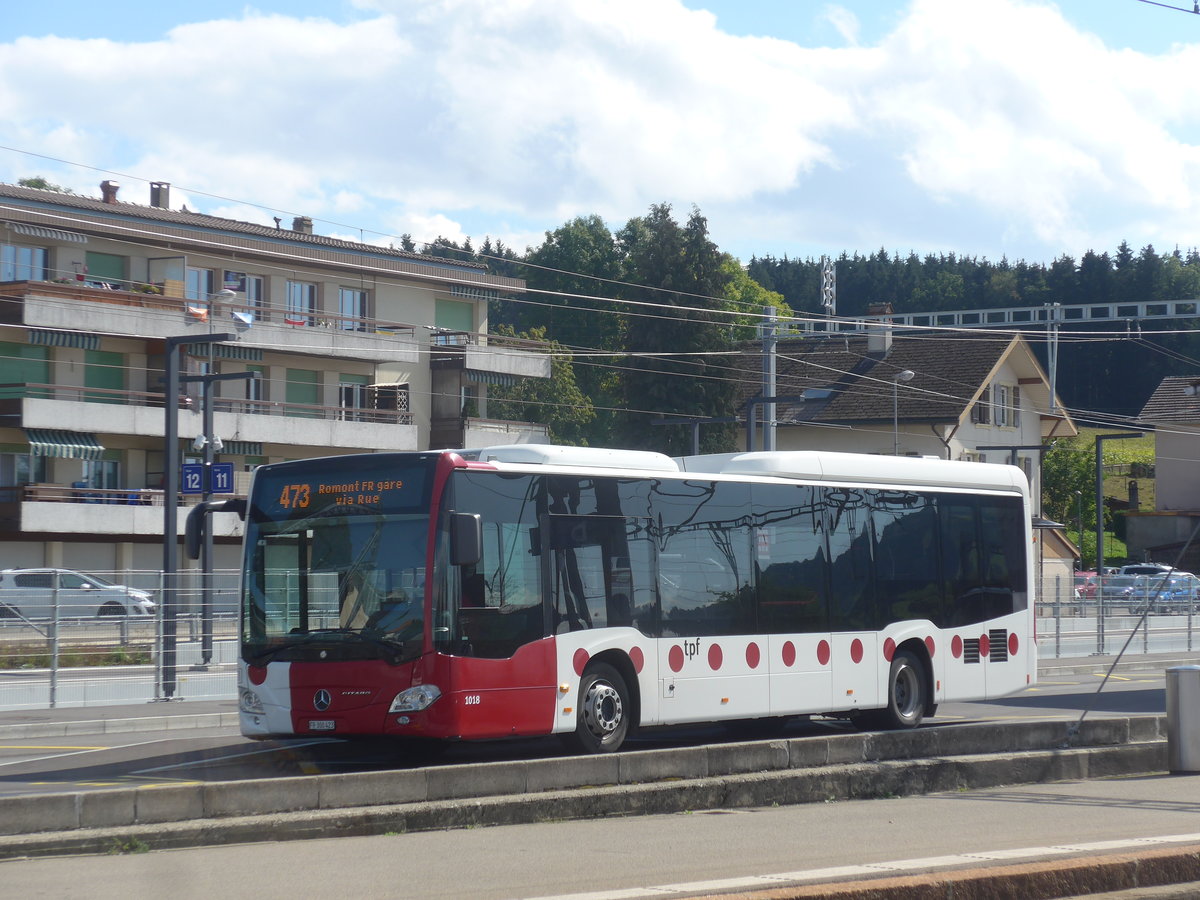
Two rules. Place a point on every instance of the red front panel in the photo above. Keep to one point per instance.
(355, 695)
(490, 698)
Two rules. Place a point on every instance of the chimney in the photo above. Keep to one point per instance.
(302, 224)
(879, 334)
(108, 191)
(160, 194)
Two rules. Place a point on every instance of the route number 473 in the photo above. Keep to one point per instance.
(294, 496)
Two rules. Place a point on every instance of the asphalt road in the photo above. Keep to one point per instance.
(92, 761)
(660, 856)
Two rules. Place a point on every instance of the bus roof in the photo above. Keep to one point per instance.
(820, 465)
(813, 465)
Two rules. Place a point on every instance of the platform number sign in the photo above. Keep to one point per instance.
(193, 478)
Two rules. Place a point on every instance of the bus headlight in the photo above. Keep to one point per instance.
(248, 702)
(416, 698)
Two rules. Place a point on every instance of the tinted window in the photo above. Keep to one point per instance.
(851, 583)
(907, 580)
(790, 558)
(704, 558)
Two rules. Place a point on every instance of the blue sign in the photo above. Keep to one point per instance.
(222, 479)
(193, 479)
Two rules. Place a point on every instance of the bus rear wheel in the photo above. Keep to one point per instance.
(602, 720)
(906, 692)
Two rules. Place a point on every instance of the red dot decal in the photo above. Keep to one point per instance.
(637, 658)
(823, 653)
(789, 654)
(889, 649)
(985, 645)
(675, 658)
(929, 645)
(580, 660)
(1013, 644)
(257, 674)
(715, 657)
(856, 650)
(956, 647)
(752, 655)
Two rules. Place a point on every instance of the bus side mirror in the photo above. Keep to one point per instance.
(197, 521)
(466, 539)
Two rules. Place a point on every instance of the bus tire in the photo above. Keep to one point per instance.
(906, 692)
(602, 720)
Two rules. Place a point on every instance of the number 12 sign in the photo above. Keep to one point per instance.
(193, 479)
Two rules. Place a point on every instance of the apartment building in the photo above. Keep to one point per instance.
(332, 346)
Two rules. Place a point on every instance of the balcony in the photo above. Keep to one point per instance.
(91, 309)
(482, 357)
(140, 414)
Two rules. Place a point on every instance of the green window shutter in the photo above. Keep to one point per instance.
(104, 266)
(454, 315)
(22, 364)
(104, 369)
(303, 386)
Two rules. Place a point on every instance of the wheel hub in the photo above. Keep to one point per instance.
(602, 709)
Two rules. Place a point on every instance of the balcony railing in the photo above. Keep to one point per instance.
(128, 293)
(34, 391)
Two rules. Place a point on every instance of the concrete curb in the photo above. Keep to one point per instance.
(15, 731)
(804, 770)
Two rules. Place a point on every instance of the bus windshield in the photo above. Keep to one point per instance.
(335, 565)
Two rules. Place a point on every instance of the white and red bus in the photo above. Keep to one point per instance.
(535, 590)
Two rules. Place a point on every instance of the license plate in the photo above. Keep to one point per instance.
(320, 724)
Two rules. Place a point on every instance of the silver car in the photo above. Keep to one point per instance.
(32, 593)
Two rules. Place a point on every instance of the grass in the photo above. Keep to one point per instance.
(38, 656)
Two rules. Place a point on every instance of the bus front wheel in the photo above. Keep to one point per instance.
(905, 693)
(602, 720)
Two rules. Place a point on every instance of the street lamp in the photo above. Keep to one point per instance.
(1079, 523)
(904, 375)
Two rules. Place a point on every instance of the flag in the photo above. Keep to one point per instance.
(243, 318)
(198, 312)
(295, 320)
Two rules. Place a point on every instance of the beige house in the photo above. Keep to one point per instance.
(967, 396)
(350, 348)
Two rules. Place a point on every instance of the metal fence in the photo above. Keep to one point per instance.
(64, 645)
(70, 638)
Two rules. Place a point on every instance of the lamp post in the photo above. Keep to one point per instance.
(904, 375)
(211, 445)
(170, 609)
(1100, 439)
(1079, 523)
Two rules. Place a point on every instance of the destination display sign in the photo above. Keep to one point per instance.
(357, 486)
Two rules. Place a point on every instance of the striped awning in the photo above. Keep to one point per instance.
(497, 378)
(49, 338)
(52, 234)
(237, 351)
(63, 444)
(242, 448)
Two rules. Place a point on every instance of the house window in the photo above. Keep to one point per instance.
(22, 263)
(301, 303)
(249, 285)
(1007, 405)
(197, 284)
(353, 397)
(981, 412)
(352, 307)
(256, 387)
(21, 468)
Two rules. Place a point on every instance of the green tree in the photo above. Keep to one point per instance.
(555, 402)
(680, 345)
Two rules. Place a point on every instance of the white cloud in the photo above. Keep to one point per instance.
(991, 128)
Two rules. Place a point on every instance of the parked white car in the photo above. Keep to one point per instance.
(31, 593)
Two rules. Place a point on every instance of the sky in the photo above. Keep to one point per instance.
(1018, 129)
